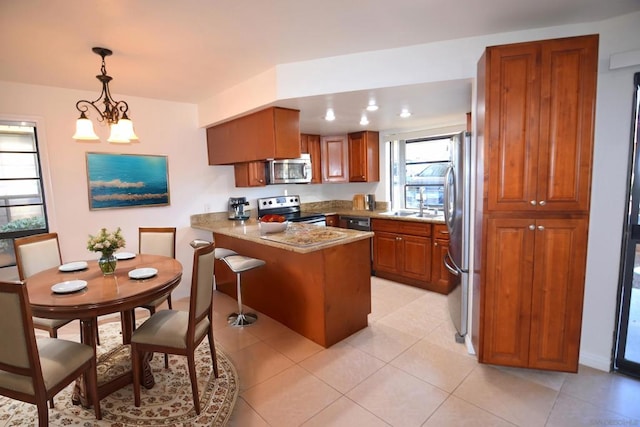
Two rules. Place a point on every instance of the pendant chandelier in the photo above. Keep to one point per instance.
(114, 114)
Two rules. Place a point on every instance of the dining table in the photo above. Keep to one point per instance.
(80, 290)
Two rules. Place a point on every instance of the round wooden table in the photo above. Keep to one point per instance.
(110, 294)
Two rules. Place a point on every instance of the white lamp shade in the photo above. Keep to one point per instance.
(126, 127)
(84, 130)
(117, 135)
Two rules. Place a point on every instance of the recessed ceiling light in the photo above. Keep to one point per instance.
(330, 115)
(363, 120)
(372, 106)
(405, 113)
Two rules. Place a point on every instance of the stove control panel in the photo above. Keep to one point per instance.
(278, 202)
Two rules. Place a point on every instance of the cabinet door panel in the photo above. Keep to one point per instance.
(557, 294)
(512, 111)
(335, 158)
(569, 72)
(357, 159)
(313, 145)
(416, 257)
(507, 292)
(250, 174)
(440, 275)
(385, 252)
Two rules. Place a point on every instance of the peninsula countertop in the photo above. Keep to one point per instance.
(298, 237)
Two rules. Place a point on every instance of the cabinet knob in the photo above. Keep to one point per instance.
(542, 203)
(532, 227)
(541, 228)
(435, 243)
(533, 203)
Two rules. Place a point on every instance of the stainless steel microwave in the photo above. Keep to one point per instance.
(289, 171)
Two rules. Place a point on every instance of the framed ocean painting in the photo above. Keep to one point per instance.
(127, 180)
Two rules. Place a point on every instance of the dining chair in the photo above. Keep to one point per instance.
(180, 332)
(35, 370)
(157, 241)
(34, 254)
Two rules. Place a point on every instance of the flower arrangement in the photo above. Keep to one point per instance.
(106, 242)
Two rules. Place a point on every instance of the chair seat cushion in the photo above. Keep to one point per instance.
(240, 263)
(49, 323)
(58, 358)
(168, 328)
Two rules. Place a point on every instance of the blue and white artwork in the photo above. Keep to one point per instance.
(127, 180)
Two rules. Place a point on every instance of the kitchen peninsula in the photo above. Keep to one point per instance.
(316, 280)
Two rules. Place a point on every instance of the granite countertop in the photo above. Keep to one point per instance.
(298, 237)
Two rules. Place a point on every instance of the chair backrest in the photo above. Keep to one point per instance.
(157, 241)
(201, 297)
(36, 253)
(18, 349)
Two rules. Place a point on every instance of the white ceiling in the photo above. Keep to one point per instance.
(189, 50)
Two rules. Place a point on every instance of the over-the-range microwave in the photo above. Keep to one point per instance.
(289, 171)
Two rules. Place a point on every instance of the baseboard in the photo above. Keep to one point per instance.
(594, 361)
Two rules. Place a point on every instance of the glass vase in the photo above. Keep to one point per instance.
(107, 263)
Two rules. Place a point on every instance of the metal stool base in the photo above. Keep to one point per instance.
(242, 319)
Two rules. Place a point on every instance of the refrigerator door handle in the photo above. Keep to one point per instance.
(449, 198)
(452, 268)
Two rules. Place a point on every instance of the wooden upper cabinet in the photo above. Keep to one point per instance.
(335, 158)
(272, 133)
(540, 99)
(250, 174)
(310, 144)
(364, 157)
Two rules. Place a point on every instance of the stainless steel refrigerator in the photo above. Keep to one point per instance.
(457, 215)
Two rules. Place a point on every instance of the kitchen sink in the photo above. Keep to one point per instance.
(414, 214)
(400, 213)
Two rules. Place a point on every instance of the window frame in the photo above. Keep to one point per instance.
(37, 152)
(399, 185)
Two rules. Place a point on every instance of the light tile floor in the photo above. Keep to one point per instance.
(404, 369)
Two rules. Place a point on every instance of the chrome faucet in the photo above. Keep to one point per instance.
(421, 203)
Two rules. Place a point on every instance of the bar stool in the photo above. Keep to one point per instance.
(218, 253)
(239, 264)
(221, 253)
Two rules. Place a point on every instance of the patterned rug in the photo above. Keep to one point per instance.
(168, 403)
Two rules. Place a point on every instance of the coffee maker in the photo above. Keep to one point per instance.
(236, 208)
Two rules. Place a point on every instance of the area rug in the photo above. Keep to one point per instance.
(168, 403)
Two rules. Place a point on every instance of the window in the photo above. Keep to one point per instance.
(22, 204)
(418, 170)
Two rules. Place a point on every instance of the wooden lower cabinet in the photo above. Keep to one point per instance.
(532, 292)
(333, 220)
(441, 277)
(402, 252)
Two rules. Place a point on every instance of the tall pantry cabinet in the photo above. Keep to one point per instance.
(536, 106)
